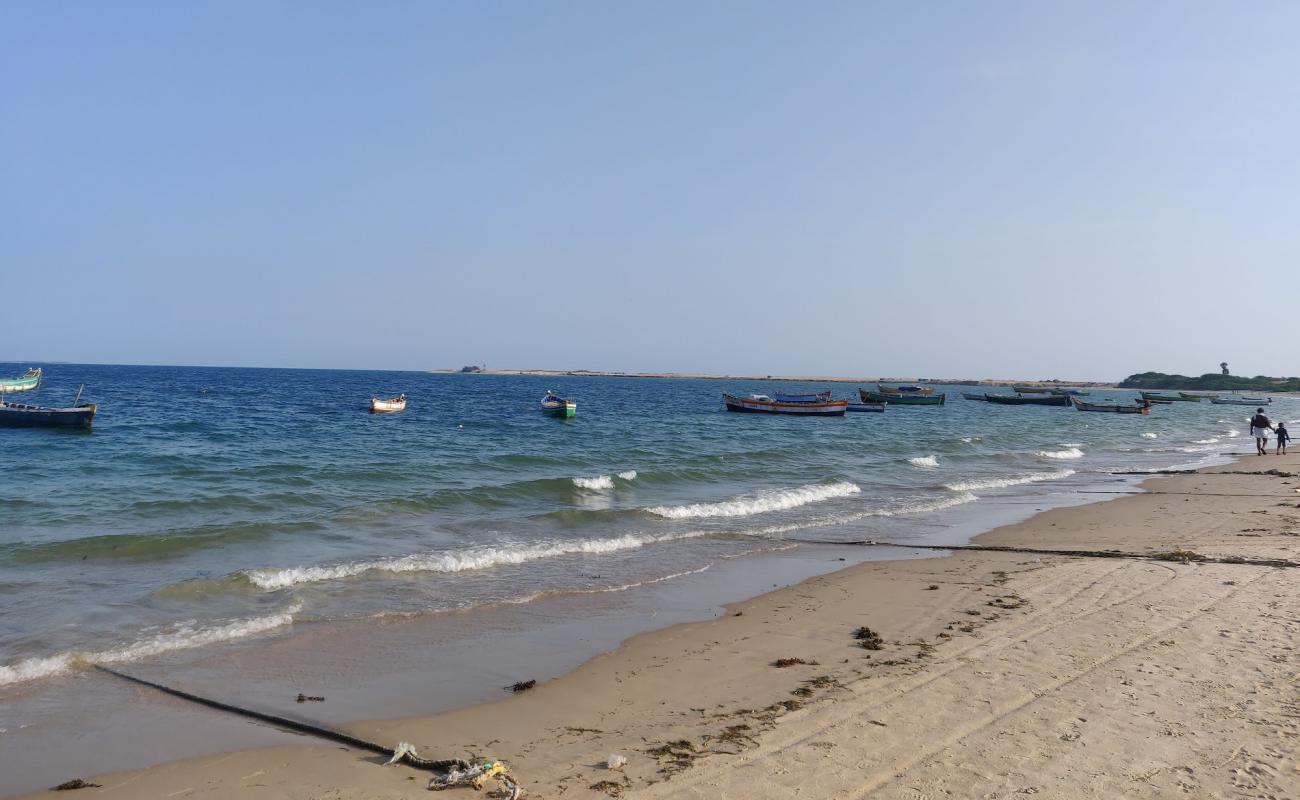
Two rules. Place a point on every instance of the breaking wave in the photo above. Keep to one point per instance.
(1149, 435)
(1011, 480)
(1069, 452)
(451, 561)
(182, 638)
(924, 461)
(600, 482)
(760, 503)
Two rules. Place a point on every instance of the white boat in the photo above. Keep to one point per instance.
(1241, 401)
(391, 405)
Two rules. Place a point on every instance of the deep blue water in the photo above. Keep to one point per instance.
(209, 504)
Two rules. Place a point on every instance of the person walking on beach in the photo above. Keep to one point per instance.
(1283, 436)
(1260, 428)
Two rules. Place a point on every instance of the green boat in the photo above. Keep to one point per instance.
(902, 398)
(1194, 398)
(557, 406)
(29, 381)
(1168, 398)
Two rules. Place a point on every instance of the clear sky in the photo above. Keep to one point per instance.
(1022, 189)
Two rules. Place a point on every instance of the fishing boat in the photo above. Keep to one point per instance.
(557, 406)
(1156, 401)
(901, 398)
(866, 407)
(1028, 400)
(1070, 392)
(1137, 408)
(975, 396)
(1195, 398)
(819, 397)
(1241, 401)
(27, 382)
(1030, 389)
(762, 404)
(1157, 397)
(22, 415)
(903, 389)
(391, 405)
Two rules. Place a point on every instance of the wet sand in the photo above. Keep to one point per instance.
(997, 674)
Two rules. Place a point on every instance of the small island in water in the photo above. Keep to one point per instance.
(1210, 381)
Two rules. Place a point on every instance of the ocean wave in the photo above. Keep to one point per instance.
(1232, 433)
(600, 482)
(451, 561)
(1010, 480)
(1069, 452)
(1149, 435)
(971, 439)
(183, 637)
(924, 461)
(1211, 440)
(760, 503)
(1071, 444)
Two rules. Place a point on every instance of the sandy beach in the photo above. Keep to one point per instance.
(996, 675)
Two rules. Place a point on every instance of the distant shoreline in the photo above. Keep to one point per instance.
(585, 373)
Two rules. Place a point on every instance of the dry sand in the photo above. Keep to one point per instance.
(998, 675)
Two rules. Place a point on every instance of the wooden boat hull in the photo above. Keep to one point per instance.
(378, 406)
(973, 396)
(1158, 401)
(1194, 398)
(1080, 405)
(19, 415)
(560, 408)
(1156, 397)
(28, 382)
(902, 399)
(1061, 400)
(753, 405)
(866, 407)
(819, 397)
(1238, 401)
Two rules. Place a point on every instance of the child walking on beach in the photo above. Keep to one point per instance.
(1283, 436)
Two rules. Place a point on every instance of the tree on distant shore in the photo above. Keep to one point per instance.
(1210, 381)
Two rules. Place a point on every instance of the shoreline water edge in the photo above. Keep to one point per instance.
(980, 655)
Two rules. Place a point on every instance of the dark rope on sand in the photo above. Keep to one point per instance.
(1184, 556)
(437, 765)
(1196, 494)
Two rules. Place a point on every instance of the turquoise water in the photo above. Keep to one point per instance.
(214, 505)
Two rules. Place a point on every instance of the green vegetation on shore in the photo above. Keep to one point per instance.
(1210, 381)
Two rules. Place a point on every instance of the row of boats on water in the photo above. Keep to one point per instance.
(552, 405)
(27, 415)
(823, 405)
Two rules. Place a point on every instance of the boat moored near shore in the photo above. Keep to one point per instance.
(557, 406)
(389, 405)
(27, 382)
(762, 404)
(902, 398)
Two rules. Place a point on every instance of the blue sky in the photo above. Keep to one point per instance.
(960, 189)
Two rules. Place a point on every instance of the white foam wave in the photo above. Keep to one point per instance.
(969, 439)
(629, 475)
(1149, 435)
(1069, 452)
(595, 484)
(760, 503)
(1211, 440)
(916, 506)
(183, 637)
(452, 561)
(924, 461)
(1010, 480)
(1232, 433)
(1071, 444)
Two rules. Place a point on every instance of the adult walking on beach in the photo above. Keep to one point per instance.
(1260, 427)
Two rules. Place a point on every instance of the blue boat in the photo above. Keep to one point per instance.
(866, 407)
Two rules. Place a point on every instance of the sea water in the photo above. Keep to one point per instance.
(210, 506)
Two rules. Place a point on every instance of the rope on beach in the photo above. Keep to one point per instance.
(402, 753)
(1184, 556)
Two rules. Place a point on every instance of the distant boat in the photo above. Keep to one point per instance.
(1240, 401)
(975, 396)
(1030, 389)
(1157, 397)
(21, 415)
(391, 405)
(1028, 400)
(819, 397)
(762, 404)
(557, 406)
(29, 381)
(866, 407)
(901, 398)
(904, 389)
(1071, 392)
(1194, 397)
(1159, 401)
(1080, 405)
